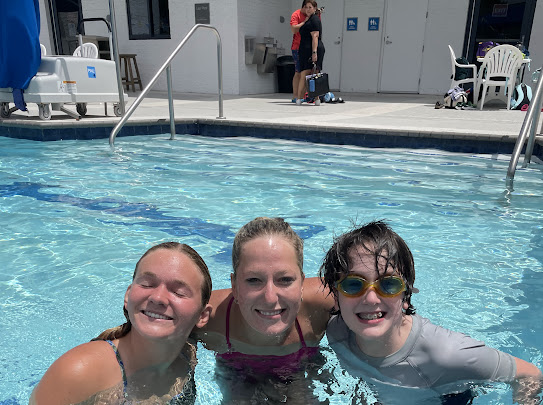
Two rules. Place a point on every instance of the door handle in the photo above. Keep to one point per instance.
(388, 42)
(337, 42)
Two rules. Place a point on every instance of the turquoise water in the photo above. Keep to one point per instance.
(75, 216)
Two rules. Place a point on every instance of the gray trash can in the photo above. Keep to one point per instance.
(285, 73)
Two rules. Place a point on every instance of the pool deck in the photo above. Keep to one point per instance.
(395, 120)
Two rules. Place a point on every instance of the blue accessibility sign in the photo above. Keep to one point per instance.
(373, 24)
(352, 23)
(91, 71)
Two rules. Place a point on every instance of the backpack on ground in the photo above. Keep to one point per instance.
(455, 96)
(522, 95)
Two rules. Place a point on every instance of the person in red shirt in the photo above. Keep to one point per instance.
(311, 50)
(297, 19)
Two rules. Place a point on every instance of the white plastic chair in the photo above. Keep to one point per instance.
(87, 50)
(472, 79)
(500, 69)
(43, 50)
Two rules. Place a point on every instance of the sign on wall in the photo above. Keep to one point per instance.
(201, 13)
(373, 24)
(500, 10)
(352, 23)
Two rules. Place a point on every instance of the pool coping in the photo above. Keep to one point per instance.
(449, 140)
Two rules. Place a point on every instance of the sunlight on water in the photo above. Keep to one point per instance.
(75, 216)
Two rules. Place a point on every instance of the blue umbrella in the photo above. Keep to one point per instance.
(20, 54)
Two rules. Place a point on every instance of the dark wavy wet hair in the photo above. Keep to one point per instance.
(375, 238)
(122, 330)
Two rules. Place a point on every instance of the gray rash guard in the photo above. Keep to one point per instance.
(433, 361)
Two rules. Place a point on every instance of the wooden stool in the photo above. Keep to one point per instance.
(128, 78)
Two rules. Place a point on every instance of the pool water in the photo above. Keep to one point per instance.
(75, 216)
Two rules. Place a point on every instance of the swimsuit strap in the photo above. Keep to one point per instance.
(296, 323)
(121, 364)
(300, 334)
(228, 324)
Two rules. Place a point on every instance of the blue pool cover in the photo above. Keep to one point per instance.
(20, 54)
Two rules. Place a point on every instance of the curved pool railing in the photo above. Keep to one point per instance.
(167, 66)
(527, 135)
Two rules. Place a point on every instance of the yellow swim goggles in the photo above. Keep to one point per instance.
(355, 286)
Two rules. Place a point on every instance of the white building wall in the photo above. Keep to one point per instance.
(261, 19)
(195, 68)
(445, 25)
(536, 44)
(46, 35)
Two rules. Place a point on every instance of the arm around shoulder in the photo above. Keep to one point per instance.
(317, 303)
(315, 292)
(77, 375)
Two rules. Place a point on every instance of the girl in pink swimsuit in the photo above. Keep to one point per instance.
(266, 329)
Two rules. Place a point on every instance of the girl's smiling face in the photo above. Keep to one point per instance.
(165, 298)
(377, 321)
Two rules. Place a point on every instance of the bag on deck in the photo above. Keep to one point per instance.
(522, 95)
(455, 96)
(317, 84)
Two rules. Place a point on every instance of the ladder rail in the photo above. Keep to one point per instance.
(167, 66)
(527, 133)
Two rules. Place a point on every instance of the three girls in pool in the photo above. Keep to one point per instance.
(267, 327)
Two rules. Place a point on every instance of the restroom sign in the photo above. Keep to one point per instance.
(352, 23)
(373, 24)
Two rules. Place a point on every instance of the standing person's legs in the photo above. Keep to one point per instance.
(301, 84)
(296, 78)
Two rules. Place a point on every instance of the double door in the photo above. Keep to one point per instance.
(402, 38)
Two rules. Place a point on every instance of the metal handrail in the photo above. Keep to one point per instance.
(166, 66)
(528, 130)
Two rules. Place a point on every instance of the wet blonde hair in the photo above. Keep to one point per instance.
(263, 226)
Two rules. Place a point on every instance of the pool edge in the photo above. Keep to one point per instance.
(337, 135)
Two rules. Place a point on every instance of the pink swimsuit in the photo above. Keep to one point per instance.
(285, 365)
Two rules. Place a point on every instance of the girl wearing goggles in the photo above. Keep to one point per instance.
(377, 335)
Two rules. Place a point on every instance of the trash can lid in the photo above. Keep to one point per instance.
(285, 60)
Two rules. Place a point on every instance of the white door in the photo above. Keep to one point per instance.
(403, 40)
(332, 37)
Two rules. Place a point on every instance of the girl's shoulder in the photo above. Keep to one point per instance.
(78, 374)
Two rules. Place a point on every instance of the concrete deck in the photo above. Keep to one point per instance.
(364, 117)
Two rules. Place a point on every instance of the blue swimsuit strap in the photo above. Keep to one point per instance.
(187, 391)
(121, 365)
